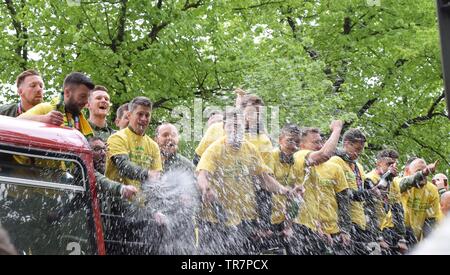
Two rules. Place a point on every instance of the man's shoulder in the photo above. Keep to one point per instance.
(41, 109)
(329, 165)
(336, 160)
(182, 158)
(431, 187)
(373, 176)
(151, 142)
(111, 130)
(8, 109)
(219, 143)
(301, 154)
(118, 135)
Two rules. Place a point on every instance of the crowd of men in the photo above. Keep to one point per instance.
(304, 196)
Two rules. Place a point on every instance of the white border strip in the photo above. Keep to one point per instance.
(45, 183)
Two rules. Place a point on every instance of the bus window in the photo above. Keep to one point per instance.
(44, 205)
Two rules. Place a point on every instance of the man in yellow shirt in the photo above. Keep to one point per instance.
(134, 159)
(225, 178)
(420, 200)
(281, 162)
(306, 226)
(361, 194)
(252, 107)
(77, 87)
(389, 207)
(332, 216)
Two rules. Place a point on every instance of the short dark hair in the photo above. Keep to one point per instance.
(77, 78)
(21, 77)
(290, 129)
(215, 113)
(97, 88)
(121, 110)
(354, 135)
(387, 153)
(100, 88)
(139, 101)
(92, 139)
(410, 160)
(251, 100)
(231, 113)
(307, 130)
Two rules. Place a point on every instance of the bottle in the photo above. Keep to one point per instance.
(385, 180)
(60, 107)
(220, 212)
(293, 207)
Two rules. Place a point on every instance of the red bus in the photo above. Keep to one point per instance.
(48, 194)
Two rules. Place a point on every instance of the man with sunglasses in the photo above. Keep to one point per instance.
(389, 208)
(99, 149)
(441, 182)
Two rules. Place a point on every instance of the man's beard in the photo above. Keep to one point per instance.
(73, 109)
(169, 154)
(100, 166)
(235, 141)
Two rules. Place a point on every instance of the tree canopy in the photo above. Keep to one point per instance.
(375, 64)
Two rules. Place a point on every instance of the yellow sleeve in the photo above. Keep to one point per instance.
(117, 145)
(214, 132)
(269, 160)
(156, 156)
(395, 189)
(434, 201)
(261, 167)
(300, 165)
(40, 109)
(341, 181)
(361, 170)
(265, 147)
(208, 160)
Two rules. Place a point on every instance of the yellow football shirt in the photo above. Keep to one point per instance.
(356, 208)
(306, 176)
(45, 108)
(142, 151)
(231, 172)
(283, 173)
(420, 204)
(214, 132)
(385, 218)
(331, 181)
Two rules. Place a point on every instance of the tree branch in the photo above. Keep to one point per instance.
(423, 145)
(366, 106)
(101, 42)
(159, 4)
(153, 34)
(21, 34)
(188, 5)
(160, 102)
(259, 5)
(430, 114)
(115, 43)
(107, 24)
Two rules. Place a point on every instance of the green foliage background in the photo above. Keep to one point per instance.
(376, 66)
